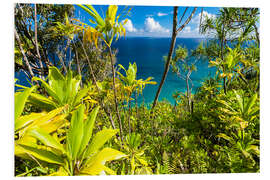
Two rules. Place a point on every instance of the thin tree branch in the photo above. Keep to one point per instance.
(36, 42)
(23, 53)
(183, 15)
(187, 21)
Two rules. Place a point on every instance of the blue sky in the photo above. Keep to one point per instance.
(153, 21)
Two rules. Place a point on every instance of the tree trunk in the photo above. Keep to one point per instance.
(169, 57)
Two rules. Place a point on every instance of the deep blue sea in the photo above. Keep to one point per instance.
(148, 54)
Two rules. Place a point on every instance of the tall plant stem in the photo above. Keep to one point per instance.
(78, 63)
(89, 64)
(188, 92)
(172, 45)
(115, 97)
(95, 82)
(37, 49)
(23, 53)
(129, 114)
(167, 66)
(221, 53)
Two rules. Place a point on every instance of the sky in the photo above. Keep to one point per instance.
(154, 21)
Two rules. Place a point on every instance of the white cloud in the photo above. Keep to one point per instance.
(129, 26)
(187, 29)
(162, 14)
(150, 25)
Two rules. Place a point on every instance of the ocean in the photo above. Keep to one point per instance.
(148, 54)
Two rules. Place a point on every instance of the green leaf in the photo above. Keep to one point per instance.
(81, 94)
(48, 88)
(42, 102)
(95, 165)
(20, 100)
(224, 136)
(58, 83)
(240, 101)
(24, 121)
(37, 121)
(45, 138)
(41, 154)
(250, 103)
(55, 74)
(99, 140)
(88, 129)
(75, 133)
(92, 12)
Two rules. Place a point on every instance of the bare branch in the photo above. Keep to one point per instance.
(23, 53)
(187, 21)
(36, 43)
(183, 15)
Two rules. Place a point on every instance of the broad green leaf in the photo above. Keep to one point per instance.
(24, 121)
(41, 154)
(55, 74)
(42, 102)
(98, 169)
(95, 165)
(81, 94)
(99, 140)
(229, 61)
(250, 103)
(76, 132)
(54, 124)
(45, 138)
(20, 100)
(46, 117)
(48, 89)
(88, 129)
(240, 101)
(58, 83)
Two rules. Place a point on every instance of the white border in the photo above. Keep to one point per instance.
(7, 74)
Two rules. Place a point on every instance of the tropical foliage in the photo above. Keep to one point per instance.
(80, 114)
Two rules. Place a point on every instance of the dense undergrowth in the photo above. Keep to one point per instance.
(74, 124)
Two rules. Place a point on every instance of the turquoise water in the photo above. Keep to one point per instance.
(148, 54)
